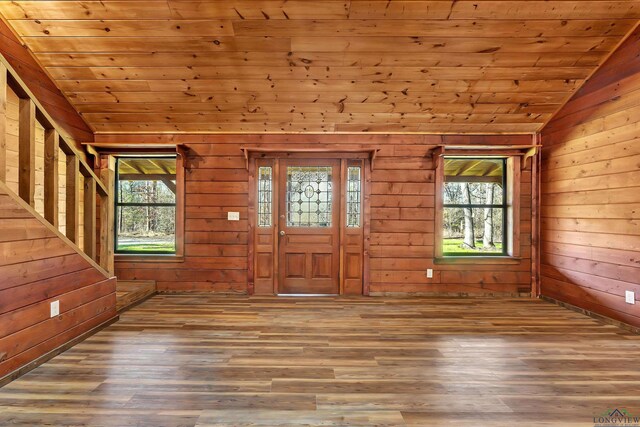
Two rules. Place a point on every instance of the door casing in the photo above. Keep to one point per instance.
(263, 242)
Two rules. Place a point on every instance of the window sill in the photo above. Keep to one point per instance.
(488, 260)
(155, 258)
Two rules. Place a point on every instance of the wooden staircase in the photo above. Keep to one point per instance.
(132, 292)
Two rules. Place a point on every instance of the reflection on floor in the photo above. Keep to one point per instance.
(205, 360)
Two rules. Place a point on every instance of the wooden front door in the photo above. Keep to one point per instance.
(309, 226)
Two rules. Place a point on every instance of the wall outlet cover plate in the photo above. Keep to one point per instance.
(55, 308)
(630, 297)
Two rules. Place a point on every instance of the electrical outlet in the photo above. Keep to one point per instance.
(55, 308)
(233, 216)
(630, 297)
(429, 273)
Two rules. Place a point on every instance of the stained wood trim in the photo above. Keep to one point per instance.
(452, 260)
(286, 152)
(342, 218)
(514, 182)
(105, 146)
(87, 172)
(513, 201)
(439, 200)
(51, 176)
(276, 225)
(89, 224)
(40, 114)
(152, 258)
(252, 227)
(27, 151)
(3, 122)
(274, 163)
(518, 147)
(72, 198)
(180, 201)
(23, 91)
(366, 227)
(530, 154)
(107, 209)
(592, 314)
(536, 188)
(5, 189)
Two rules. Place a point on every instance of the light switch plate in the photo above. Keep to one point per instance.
(630, 297)
(55, 308)
(429, 273)
(233, 216)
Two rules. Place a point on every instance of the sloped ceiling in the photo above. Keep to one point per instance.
(320, 66)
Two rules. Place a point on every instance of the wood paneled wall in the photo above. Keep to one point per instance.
(37, 266)
(12, 146)
(402, 216)
(591, 192)
(42, 86)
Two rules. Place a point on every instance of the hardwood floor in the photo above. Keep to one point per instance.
(187, 360)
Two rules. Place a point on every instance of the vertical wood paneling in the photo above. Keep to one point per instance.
(27, 151)
(11, 141)
(107, 214)
(51, 176)
(89, 217)
(72, 199)
(62, 193)
(591, 192)
(3, 122)
(402, 239)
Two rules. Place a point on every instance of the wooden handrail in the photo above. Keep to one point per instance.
(79, 174)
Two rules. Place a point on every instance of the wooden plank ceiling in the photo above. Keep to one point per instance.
(320, 66)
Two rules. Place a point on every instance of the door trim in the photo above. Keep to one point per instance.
(257, 237)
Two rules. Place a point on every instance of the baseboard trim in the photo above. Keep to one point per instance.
(593, 315)
(53, 353)
(487, 295)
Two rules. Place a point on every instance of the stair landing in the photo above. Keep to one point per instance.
(130, 292)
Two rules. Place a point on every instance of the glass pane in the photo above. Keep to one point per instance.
(473, 193)
(140, 191)
(476, 231)
(149, 229)
(353, 196)
(309, 194)
(264, 196)
(147, 180)
(473, 180)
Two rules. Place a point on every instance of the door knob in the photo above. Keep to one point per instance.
(282, 233)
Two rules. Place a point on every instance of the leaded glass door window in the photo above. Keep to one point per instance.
(309, 192)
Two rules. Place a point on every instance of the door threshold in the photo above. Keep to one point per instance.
(308, 295)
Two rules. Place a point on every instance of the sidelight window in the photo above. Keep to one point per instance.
(354, 196)
(265, 196)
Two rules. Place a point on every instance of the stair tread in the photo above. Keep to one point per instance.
(129, 292)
